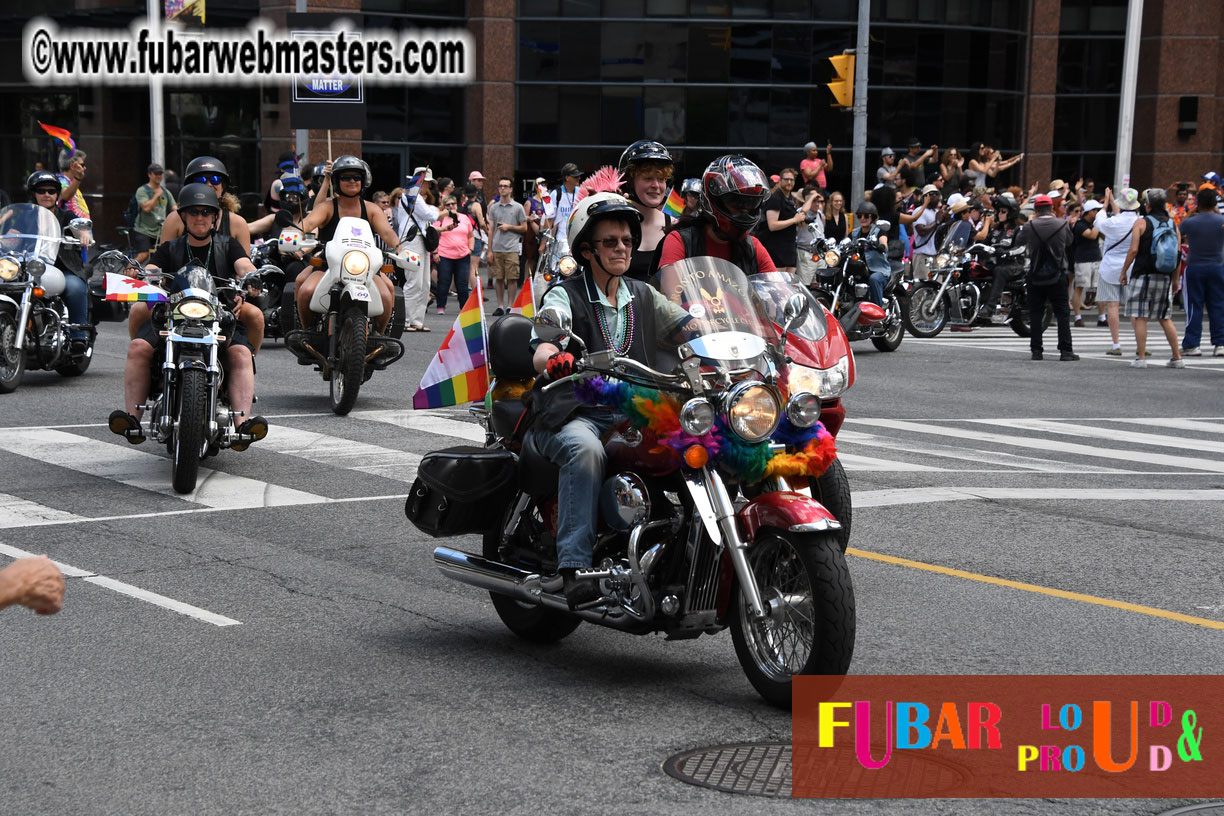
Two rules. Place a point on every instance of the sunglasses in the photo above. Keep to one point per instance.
(46, 191)
(613, 242)
(197, 212)
(213, 179)
(866, 217)
(788, 178)
(349, 178)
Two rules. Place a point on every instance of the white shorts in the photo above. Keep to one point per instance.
(1110, 292)
(1086, 275)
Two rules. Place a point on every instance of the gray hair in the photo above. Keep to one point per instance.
(67, 157)
(1155, 197)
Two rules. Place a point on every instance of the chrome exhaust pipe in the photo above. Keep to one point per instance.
(524, 586)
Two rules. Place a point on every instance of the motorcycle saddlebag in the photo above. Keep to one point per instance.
(462, 490)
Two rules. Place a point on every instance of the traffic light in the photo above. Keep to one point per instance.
(842, 86)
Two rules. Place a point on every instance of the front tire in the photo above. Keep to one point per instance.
(812, 628)
(12, 359)
(349, 372)
(832, 489)
(927, 315)
(189, 436)
(537, 624)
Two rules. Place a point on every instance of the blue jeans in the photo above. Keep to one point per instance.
(578, 451)
(457, 269)
(1204, 286)
(76, 298)
(875, 287)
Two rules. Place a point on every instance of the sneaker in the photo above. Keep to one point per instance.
(1219, 351)
(1192, 352)
(256, 426)
(1102, 324)
(1079, 323)
(125, 425)
(1068, 357)
(442, 310)
(1178, 363)
(1116, 351)
(1138, 362)
(1037, 355)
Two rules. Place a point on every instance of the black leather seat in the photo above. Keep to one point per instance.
(510, 348)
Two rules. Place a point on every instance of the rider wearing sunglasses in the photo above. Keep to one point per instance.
(867, 218)
(44, 189)
(609, 311)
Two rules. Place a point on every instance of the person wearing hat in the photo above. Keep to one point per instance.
(1115, 230)
(416, 212)
(1048, 238)
(913, 165)
(1004, 232)
(924, 232)
(1085, 254)
(154, 203)
(813, 167)
(286, 164)
(564, 198)
(475, 177)
(961, 231)
(888, 172)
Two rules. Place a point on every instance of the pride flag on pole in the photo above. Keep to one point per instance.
(131, 290)
(59, 133)
(542, 191)
(674, 205)
(458, 373)
(524, 304)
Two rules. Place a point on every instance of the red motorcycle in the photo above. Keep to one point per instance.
(697, 529)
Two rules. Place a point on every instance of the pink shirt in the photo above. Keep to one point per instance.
(453, 243)
(809, 166)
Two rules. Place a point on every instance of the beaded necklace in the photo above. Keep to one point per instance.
(606, 330)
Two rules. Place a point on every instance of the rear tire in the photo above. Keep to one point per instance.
(926, 316)
(349, 373)
(189, 437)
(832, 489)
(896, 332)
(12, 359)
(1020, 320)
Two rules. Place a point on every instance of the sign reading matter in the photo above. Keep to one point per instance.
(325, 101)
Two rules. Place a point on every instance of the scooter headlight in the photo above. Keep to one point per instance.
(356, 263)
(195, 309)
(9, 269)
(825, 383)
(753, 411)
(697, 416)
(803, 409)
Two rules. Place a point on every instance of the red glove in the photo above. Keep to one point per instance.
(560, 365)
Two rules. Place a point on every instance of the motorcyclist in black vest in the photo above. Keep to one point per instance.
(1002, 237)
(609, 311)
(44, 189)
(223, 258)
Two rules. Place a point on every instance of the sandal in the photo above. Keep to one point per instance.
(411, 328)
(256, 426)
(126, 425)
(424, 328)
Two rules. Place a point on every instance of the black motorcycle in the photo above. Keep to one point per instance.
(842, 287)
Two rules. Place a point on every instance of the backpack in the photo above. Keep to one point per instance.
(133, 208)
(1164, 246)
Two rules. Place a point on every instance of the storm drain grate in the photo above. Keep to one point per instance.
(760, 768)
(1205, 809)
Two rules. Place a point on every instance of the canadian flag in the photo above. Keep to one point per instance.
(545, 196)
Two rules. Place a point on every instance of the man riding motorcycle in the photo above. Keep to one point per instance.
(1002, 237)
(44, 189)
(867, 225)
(223, 257)
(609, 311)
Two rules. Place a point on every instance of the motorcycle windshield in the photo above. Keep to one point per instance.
(725, 327)
(191, 281)
(30, 229)
(773, 288)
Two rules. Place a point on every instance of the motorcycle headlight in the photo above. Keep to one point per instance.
(8, 269)
(697, 416)
(803, 409)
(567, 266)
(194, 309)
(753, 411)
(831, 258)
(356, 263)
(941, 260)
(826, 383)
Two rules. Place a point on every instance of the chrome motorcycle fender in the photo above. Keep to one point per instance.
(5, 299)
(356, 291)
(787, 511)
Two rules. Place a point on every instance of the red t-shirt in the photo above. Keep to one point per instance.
(673, 250)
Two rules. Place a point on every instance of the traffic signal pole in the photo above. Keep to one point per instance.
(859, 164)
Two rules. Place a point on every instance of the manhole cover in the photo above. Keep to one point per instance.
(1205, 809)
(764, 769)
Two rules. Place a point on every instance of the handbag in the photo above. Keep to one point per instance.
(429, 237)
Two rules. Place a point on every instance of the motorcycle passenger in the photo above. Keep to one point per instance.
(44, 189)
(733, 191)
(291, 214)
(353, 178)
(867, 225)
(320, 184)
(647, 167)
(223, 257)
(609, 310)
(691, 189)
(1002, 237)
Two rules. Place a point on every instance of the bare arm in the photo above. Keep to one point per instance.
(172, 227)
(261, 225)
(1133, 252)
(318, 216)
(378, 220)
(542, 353)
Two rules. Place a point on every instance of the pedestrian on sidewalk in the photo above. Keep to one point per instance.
(155, 202)
(1203, 232)
(1115, 229)
(1048, 238)
(1151, 289)
(1085, 253)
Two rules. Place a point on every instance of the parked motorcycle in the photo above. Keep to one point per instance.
(555, 261)
(689, 542)
(340, 344)
(842, 287)
(959, 282)
(34, 327)
(188, 402)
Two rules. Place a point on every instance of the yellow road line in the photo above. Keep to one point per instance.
(1040, 590)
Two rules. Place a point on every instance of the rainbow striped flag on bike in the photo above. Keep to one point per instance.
(122, 289)
(458, 373)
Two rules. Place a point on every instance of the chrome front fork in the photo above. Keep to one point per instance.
(717, 511)
(27, 303)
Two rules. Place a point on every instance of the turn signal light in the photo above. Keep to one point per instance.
(696, 456)
(38, 292)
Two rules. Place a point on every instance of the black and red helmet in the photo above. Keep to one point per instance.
(733, 190)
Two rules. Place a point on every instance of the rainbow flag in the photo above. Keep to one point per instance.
(524, 304)
(458, 373)
(674, 205)
(61, 134)
(123, 289)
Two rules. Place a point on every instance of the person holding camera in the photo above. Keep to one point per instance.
(924, 231)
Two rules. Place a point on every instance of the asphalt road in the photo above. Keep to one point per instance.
(352, 677)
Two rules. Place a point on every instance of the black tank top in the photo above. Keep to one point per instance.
(329, 229)
(224, 227)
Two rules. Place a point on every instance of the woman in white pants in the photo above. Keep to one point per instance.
(416, 288)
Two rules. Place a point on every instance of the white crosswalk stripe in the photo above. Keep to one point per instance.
(934, 450)
(1089, 343)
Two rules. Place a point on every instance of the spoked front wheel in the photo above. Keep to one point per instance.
(347, 376)
(927, 313)
(12, 359)
(805, 585)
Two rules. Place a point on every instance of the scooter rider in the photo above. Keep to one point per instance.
(609, 310)
(222, 256)
(44, 189)
(1002, 237)
(733, 190)
(867, 225)
(647, 168)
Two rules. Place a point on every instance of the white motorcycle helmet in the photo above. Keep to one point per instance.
(595, 207)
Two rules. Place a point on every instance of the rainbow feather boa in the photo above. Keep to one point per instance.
(649, 410)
